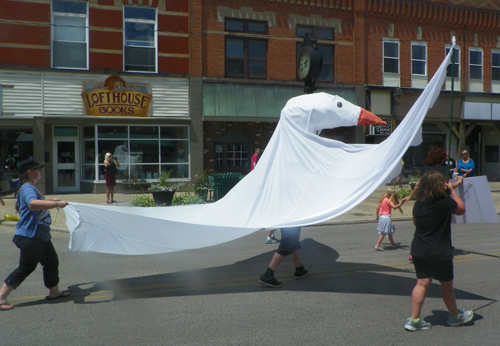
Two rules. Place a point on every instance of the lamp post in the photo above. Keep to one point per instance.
(397, 95)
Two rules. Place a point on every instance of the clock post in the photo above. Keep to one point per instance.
(309, 63)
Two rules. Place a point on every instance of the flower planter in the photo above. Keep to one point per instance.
(163, 197)
(136, 187)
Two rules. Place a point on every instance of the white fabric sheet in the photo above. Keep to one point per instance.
(301, 179)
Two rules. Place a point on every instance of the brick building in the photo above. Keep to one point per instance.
(219, 73)
(55, 56)
(370, 49)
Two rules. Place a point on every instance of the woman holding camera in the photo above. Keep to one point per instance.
(110, 165)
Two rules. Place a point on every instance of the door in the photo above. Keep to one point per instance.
(66, 168)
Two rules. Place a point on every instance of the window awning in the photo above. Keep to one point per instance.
(253, 101)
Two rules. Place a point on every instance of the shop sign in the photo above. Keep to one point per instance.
(381, 130)
(114, 97)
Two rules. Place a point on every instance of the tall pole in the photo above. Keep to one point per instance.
(451, 106)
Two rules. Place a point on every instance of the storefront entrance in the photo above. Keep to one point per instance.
(66, 153)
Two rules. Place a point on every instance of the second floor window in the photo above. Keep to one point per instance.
(140, 39)
(246, 56)
(495, 66)
(475, 64)
(391, 57)
(456, 65)
(418, 59)
(327, 50)
(69, 34)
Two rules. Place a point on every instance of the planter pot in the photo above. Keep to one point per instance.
(163, 197)
(203, 194)
(136, 188)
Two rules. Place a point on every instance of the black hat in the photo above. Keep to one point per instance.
(27, 165)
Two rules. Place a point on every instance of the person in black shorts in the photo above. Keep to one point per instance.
(289, 245)
(431, 247)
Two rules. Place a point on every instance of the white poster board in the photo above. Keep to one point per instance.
(479, 207)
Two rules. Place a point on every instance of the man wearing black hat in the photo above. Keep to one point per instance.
(32, 235)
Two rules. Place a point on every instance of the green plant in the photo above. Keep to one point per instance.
(404, 192)
(143, 201)
(187, 198)
(164, 183)
(413, 178)
(201, 182)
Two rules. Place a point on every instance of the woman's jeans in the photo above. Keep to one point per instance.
(34, 251)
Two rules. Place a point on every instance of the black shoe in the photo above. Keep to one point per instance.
(270, 282)
(300, 273)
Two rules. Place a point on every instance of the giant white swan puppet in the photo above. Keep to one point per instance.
(301, 179)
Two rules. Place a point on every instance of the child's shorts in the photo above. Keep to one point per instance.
(439, 270)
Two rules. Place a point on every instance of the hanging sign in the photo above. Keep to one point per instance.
(381, 130)
(114, 97)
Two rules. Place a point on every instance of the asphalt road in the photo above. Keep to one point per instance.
(354, 295)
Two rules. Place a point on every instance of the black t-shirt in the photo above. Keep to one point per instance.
(432, 238)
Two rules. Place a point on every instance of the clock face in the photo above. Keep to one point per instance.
(304, 63)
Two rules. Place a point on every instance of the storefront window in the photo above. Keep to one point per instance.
(142, 151)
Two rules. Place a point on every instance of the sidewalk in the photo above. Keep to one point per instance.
(363, 213)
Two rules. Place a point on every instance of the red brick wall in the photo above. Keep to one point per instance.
(281, 59)
(31, 40)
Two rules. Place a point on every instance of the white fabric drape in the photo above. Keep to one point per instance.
(301, 179)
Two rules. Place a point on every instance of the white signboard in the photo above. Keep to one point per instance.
(479, 207)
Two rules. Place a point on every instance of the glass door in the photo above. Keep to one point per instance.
(66, 170)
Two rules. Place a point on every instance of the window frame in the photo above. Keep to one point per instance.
(155, 38)
(321, 47)
(457, 62)
(497, 52)
(92, 169)
(53, 16)
(246, 36)
(221, 159)
(413, 59)
(384, 56)
(479, 50)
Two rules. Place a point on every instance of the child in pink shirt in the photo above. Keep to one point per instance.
(385, 227)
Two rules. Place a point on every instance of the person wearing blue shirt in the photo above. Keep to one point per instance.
(465, 165)
(32, 236)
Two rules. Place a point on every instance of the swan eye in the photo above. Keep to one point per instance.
(339, 104)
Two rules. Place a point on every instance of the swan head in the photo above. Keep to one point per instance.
(315, 112)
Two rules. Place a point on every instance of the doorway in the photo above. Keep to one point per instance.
(66, 164)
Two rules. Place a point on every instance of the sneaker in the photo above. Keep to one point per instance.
(461, 318)
(301, 273)
(412, 326)
(271, 241)
(270, 282)
(274, 238)
(378, 248)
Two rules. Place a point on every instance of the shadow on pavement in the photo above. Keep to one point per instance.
(327, 275)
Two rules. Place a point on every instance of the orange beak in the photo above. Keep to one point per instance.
(368, 118)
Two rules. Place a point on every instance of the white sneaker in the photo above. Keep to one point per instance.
(461, 318)
(412, 326)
